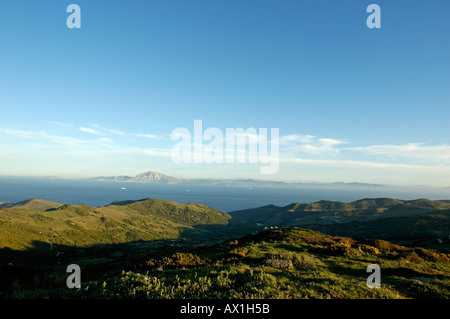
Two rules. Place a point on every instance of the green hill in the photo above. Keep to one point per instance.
(192, 214)
(50, 223)
(82, 225)
(431, 227)
(32, 203)
(384, 218)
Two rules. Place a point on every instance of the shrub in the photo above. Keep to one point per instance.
(263, 279)
(382, 245)
(223, 280)
(241, 252)
(341, 249)
(314, 239)
(413, 257)
(431, 255)
(344, 240)
(368, 249)
(233, 243)
(177, 260)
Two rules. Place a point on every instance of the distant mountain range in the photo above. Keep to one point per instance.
(154, 177)
(147, 177)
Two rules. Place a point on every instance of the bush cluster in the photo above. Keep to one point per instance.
(239, 252)
(177, 260)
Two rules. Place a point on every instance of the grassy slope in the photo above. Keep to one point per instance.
(360, 208)
(372, 218)
(429, 225)
(26, 223)
(319, 266)
(82, 225)
(32, 203)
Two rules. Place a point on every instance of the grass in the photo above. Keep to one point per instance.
(161, 249)
(32, 203)
(415, 222)
(82, 225)
(239, 269)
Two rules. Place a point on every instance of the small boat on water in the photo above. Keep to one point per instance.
(123, 188)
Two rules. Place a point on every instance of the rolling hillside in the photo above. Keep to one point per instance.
(383, 218)
(153, 248)
(24, 223)
(288, 263)
(32, 203)
(433, 227)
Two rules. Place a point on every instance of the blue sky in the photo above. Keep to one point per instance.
(351, 103)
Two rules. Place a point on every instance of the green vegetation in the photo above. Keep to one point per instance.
(415, 222)
(285, 263)
(154, 248)
(425, 229)
(32, 203)
(82, 225)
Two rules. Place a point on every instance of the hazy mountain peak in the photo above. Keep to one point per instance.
(146, 177)
(153, 176)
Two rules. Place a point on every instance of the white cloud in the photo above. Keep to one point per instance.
(409, 151)
(20, 133)
(362, 164)
(296, 138)
(61, 124)
(100, 130)
(310, 144)
(90, 131)
(117, 132)
(150, 136)
(57, 139)
(417, 162)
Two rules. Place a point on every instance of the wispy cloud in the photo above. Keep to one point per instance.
(307, 155)
(149, 136)
(310, 144)
(362, 164)
(61, 124)
(57, 139)
(90, 130)
(117, 132)
(296, 138)
(408, 151)
(19, 133)
(101, 130)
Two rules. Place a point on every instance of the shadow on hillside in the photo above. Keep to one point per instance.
(44, 265)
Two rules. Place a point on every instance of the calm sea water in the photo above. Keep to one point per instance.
(93, 193)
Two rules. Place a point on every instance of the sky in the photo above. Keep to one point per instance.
(351, 103)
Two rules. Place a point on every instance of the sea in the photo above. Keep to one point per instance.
(224, 198)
